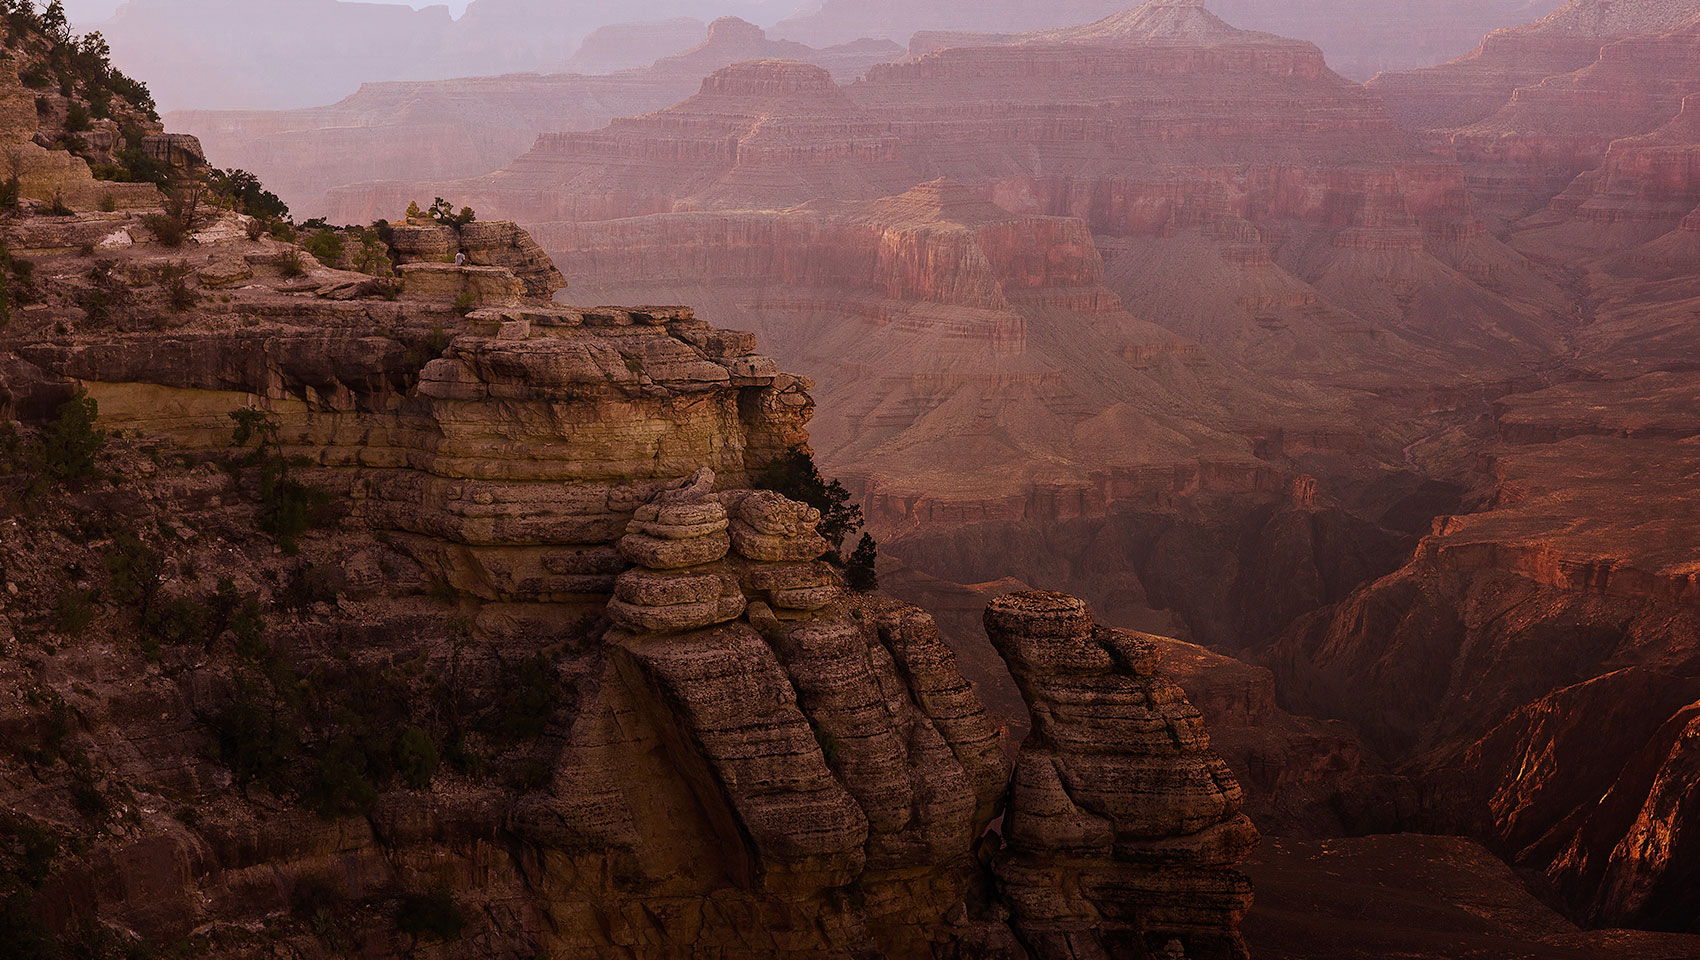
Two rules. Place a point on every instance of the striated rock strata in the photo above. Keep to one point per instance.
(449, 129)
(1117, 772)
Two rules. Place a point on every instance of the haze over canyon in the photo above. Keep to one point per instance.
(934, 481)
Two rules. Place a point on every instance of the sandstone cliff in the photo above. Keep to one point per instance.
(563, 682)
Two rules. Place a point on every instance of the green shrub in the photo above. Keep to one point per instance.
(242, 192)
(794, 475)
(860, 570)
(76, 118)
(530, 693)
(108, 203)
(326, 247)
(168, 230)
(73, 612)
(340, 785)
(416, 758)
(255, 736)
(178, 294)
(179, 621)
(291, 266)
(444, 213)
(133, 567)
(288, 507)
(466, 302)
(68, 451)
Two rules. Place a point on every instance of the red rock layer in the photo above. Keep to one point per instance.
(1527, 151)
(1645, 189)
(448, 129)
(1474, 86)
(939, 323)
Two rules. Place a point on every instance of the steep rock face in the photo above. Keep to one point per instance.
(746, 741)
(1487, 666)
(1473, 87)
(1530, 149)
(1118, 772)
(449, 129)
(1644, 190)
(933, 322)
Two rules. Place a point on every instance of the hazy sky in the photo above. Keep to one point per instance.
(90, 11)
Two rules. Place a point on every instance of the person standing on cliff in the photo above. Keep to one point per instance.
(460, 259)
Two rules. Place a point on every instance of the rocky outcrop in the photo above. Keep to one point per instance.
(1118, 772)
(486, 243)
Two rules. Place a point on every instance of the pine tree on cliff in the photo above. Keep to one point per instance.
(860, 570)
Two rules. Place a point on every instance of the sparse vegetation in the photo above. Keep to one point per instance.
(795, 475)
(291, 266)
(288, 506)
(443, 212)
(860, 569)
(466, 302)
(326, 246)
(67, 451)
(178, 294)
(242, 192)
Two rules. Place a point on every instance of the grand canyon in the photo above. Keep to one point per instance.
(1206, 479)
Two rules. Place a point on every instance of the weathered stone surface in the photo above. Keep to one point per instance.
(447, 282)
(225, 273)
(1124, 828)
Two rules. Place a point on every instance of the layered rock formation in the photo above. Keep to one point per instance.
(933, 323)
(1359, 40)
(449, 129)
(1529, 150)
(1473, 87)
(1118, 772)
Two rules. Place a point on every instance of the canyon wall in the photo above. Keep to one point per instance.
(449, 129)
